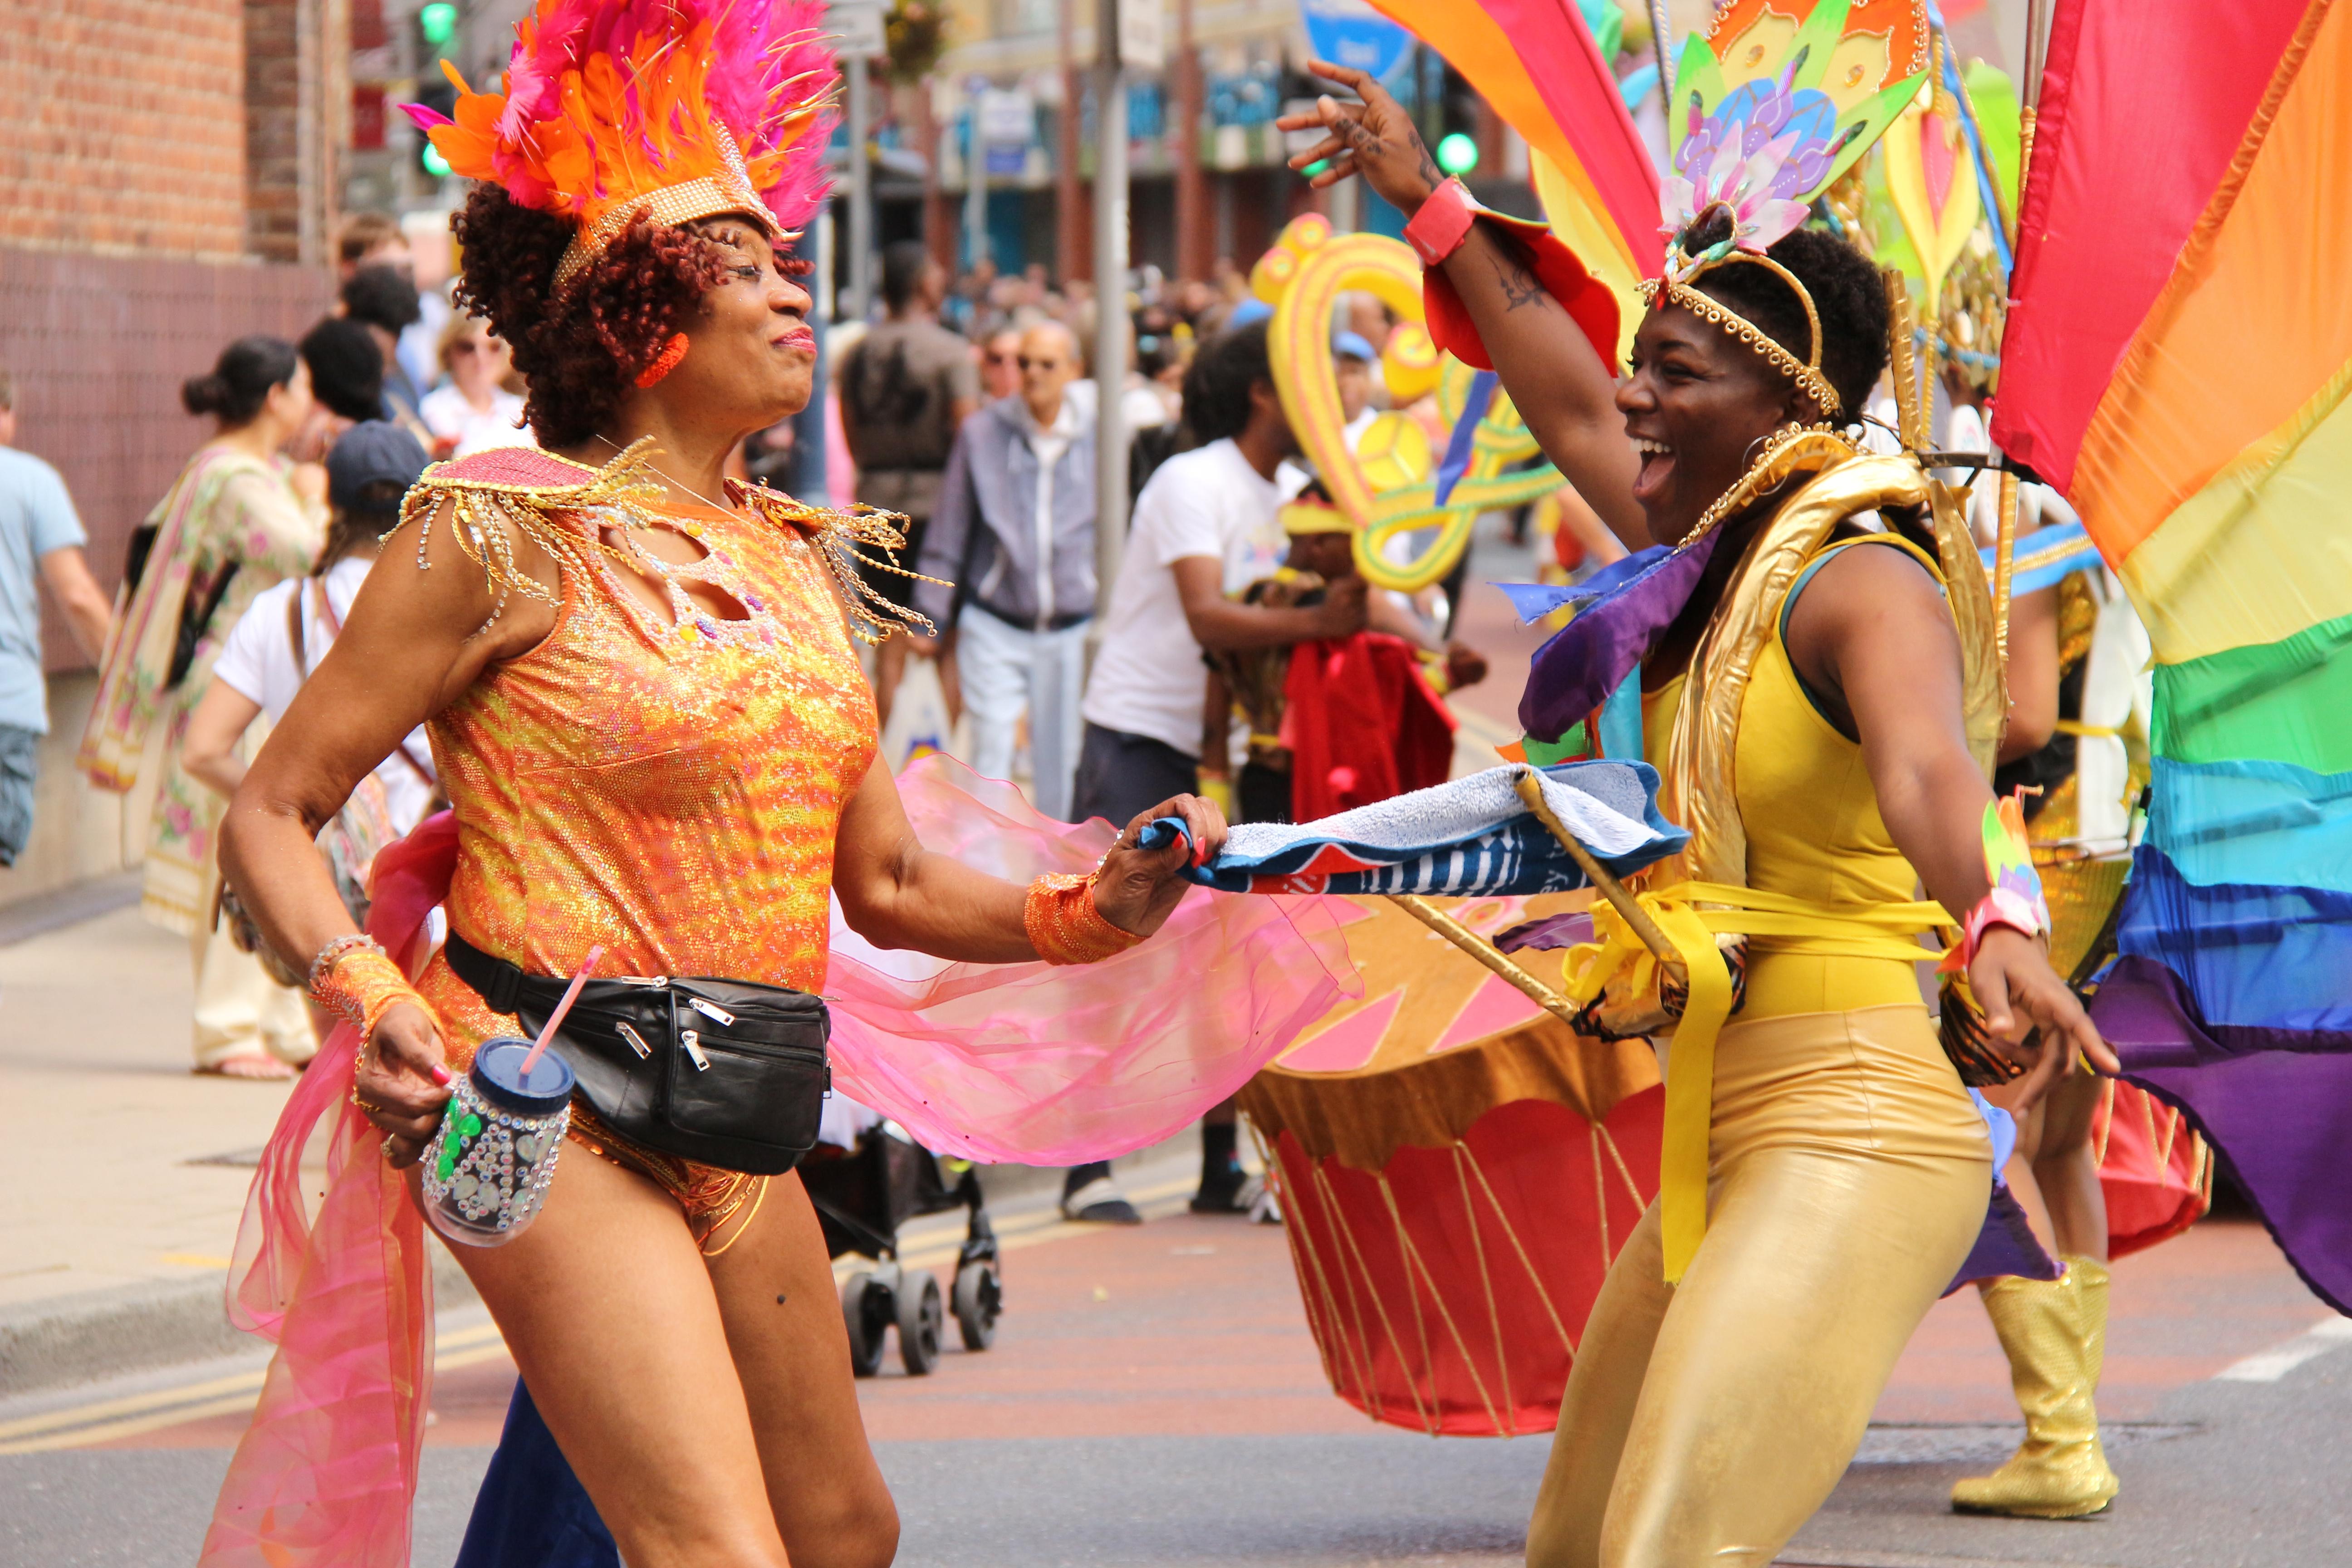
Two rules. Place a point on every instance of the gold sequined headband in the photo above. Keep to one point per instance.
(1806, 373)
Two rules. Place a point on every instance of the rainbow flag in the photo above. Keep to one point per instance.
(2177, 361)
(1536, 63)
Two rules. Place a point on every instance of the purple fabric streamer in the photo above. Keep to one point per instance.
(2005, 1246)
(1548, 934)
(2277, 1111)
(1573, 674)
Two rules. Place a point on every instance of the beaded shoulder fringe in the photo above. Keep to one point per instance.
(484, 509)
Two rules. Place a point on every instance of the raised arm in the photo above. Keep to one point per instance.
(1562, 388)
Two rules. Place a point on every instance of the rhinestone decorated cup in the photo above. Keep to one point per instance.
(486, 1170)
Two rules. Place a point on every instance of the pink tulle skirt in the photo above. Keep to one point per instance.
(1019, 1062)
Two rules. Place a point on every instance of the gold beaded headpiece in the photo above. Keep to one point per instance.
(1806, 373)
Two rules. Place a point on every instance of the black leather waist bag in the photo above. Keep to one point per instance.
(729, 1073)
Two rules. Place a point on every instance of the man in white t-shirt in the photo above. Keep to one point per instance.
(1207, 525)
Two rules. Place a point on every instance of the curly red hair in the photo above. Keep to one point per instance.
(579, 348)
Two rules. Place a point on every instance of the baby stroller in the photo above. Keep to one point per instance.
(867, 1178)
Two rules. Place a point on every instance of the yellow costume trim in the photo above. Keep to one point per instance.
(1806, 373)
(1692, 915)
(486, 516)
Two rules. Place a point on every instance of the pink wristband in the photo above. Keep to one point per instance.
(1444, 222)
(1999, 907)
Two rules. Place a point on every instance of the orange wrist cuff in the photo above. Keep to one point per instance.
(363, 984)
(1064, 925)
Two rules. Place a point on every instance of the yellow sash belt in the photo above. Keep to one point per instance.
(1691, 915)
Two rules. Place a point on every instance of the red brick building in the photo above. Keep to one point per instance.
(168, 180)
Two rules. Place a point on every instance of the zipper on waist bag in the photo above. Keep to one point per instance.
(712, 1011)
(636, 1041)
(693, 1044)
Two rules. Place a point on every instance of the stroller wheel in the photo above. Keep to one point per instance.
(920, 1318)
(866, 1312)
(979, 1299)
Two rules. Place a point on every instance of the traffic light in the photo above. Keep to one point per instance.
(434, 93)
(437, 22)
(1457, 154)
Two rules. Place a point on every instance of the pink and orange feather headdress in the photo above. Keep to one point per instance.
(678, 109)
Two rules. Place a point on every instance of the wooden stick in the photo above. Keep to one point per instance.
(2004, 567)
(1486, 952)
(1637, 918)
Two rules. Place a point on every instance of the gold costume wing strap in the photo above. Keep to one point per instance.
(522, 489)
(509, 491)
(837, 535)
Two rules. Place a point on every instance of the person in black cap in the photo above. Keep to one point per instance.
(284, 634)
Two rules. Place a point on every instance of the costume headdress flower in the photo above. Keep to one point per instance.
(679, 109)
(1777, 100)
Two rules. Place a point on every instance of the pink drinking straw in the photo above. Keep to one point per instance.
(555, 1019)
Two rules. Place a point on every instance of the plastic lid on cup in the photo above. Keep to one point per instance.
(497, 1073)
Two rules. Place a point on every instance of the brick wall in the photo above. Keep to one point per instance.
(122, 126)
(296, 105)
(100, 346)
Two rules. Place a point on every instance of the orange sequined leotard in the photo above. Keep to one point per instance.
(668, 789)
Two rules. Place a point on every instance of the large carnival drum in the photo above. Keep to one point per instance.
(2155, 1170)
(1456, 1171)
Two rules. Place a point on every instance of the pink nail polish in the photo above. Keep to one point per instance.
(441, 1075)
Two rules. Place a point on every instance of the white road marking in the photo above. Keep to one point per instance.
(2270, 1365)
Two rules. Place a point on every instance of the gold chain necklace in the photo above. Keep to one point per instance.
(1750, 483)
(668, 479)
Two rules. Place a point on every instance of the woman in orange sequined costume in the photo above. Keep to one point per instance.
(655, 737)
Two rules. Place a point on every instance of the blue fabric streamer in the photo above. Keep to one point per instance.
(1465, 434)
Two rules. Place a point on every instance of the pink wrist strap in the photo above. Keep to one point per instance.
(1444, 222)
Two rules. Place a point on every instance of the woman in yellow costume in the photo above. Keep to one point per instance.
(1821, 690)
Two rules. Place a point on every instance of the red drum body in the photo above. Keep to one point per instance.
(1458, 1170)
(2156, 1173)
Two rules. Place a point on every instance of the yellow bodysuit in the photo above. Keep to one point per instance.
(669, 787)
(1848, 1173)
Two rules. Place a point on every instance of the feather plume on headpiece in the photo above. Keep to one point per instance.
(1776, 102)
(682, 109)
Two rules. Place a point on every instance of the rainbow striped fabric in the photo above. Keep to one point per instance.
(2177, 361)
(1536, 62)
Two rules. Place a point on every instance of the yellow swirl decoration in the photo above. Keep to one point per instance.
(1387, 486)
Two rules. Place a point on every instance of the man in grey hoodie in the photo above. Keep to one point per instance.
(1014, 533)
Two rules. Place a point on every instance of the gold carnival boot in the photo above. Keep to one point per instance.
(2055, 1335)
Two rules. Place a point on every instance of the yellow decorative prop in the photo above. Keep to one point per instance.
(1385, 486)
(1410, 363)
(1933, 186)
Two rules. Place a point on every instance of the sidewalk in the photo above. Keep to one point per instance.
(126, 1172)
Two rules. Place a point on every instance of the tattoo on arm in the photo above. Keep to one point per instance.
(1429, 170)
(1517, 279)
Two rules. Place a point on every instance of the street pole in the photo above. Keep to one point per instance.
(1110, 303)
(975, 184)
(861, 191)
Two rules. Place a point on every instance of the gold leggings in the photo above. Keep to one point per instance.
(1704, 1423)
